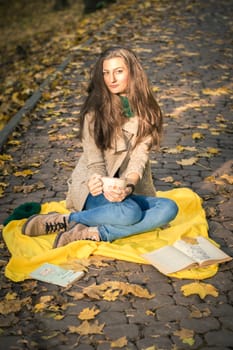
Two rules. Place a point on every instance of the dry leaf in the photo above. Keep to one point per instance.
(214, 180)
(111, 295)
(111, 289)
(186, 335)
(119, 343)
(76, 295)
(88, 314)
(11, 296)
(167, 179)
(197, 135)
(25, 173)
(15, 305)
(87, 328)
(196, 313)
(200, 288)
(212, 150)
(5, 157)
(29, 188)
(217, 92)
(189, 161)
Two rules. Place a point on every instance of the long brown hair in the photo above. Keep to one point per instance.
(106, 107)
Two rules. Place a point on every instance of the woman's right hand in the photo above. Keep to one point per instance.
(95, 185)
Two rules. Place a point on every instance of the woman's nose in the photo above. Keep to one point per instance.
(112, 77)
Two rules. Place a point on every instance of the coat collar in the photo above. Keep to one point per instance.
(129, 129)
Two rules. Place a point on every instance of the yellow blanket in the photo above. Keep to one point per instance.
(29, 253)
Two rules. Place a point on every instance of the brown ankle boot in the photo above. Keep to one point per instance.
(77, 233)
(42, 224)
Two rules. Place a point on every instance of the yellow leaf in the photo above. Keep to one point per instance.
(58, 317)
(150, 313)
(87, 328)
(88, 314)
(189, 161)
(111, 295)
(217, 92)
(46, 298)
(197, 135)
(203, 126)
(214, 180)
(14, 142)
(200, 288)
(16, 99)
(186, 335)
(213, 150)
(5, 157)
(155, 88)
(119, 343)
(25, 173)
(11, 296)
(40, 307)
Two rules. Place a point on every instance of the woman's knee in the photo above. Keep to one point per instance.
(172, 209)
(131, 213)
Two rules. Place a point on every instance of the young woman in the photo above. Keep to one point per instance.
(120, 121)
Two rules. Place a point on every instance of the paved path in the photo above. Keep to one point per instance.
(186, 48)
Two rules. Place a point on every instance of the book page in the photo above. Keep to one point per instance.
(202, 251)
(168, 259)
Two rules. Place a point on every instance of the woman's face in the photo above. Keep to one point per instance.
(116, 75)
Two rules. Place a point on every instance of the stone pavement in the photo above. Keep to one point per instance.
(186, 48)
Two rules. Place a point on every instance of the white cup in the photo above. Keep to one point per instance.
(113, 184)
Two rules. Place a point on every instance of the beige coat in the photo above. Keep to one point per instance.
(123, 157)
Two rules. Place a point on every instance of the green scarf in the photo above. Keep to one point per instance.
(126, 107)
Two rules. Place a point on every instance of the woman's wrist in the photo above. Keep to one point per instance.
(131, 186)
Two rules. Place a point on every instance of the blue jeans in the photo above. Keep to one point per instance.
(136, 214)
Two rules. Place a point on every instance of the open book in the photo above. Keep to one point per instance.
(186, 253)
(56, 275)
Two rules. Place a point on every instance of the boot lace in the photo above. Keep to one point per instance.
(51, 227)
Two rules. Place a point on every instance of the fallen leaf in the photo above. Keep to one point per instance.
(212, 150)
(111, 289)
(217, 92)
(197, 135)
(119, 343)
(186, 335)
(200, 288)
(167, 179)
(6, 157)
(196, 313)
(15, 305)
(11, 296)
(189, 161)
(88, 314)
(25, 173)
(87, 328)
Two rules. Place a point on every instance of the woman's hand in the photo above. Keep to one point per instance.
(95, 185)
(118, 195)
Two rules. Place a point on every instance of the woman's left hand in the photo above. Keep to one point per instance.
(117, 195)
